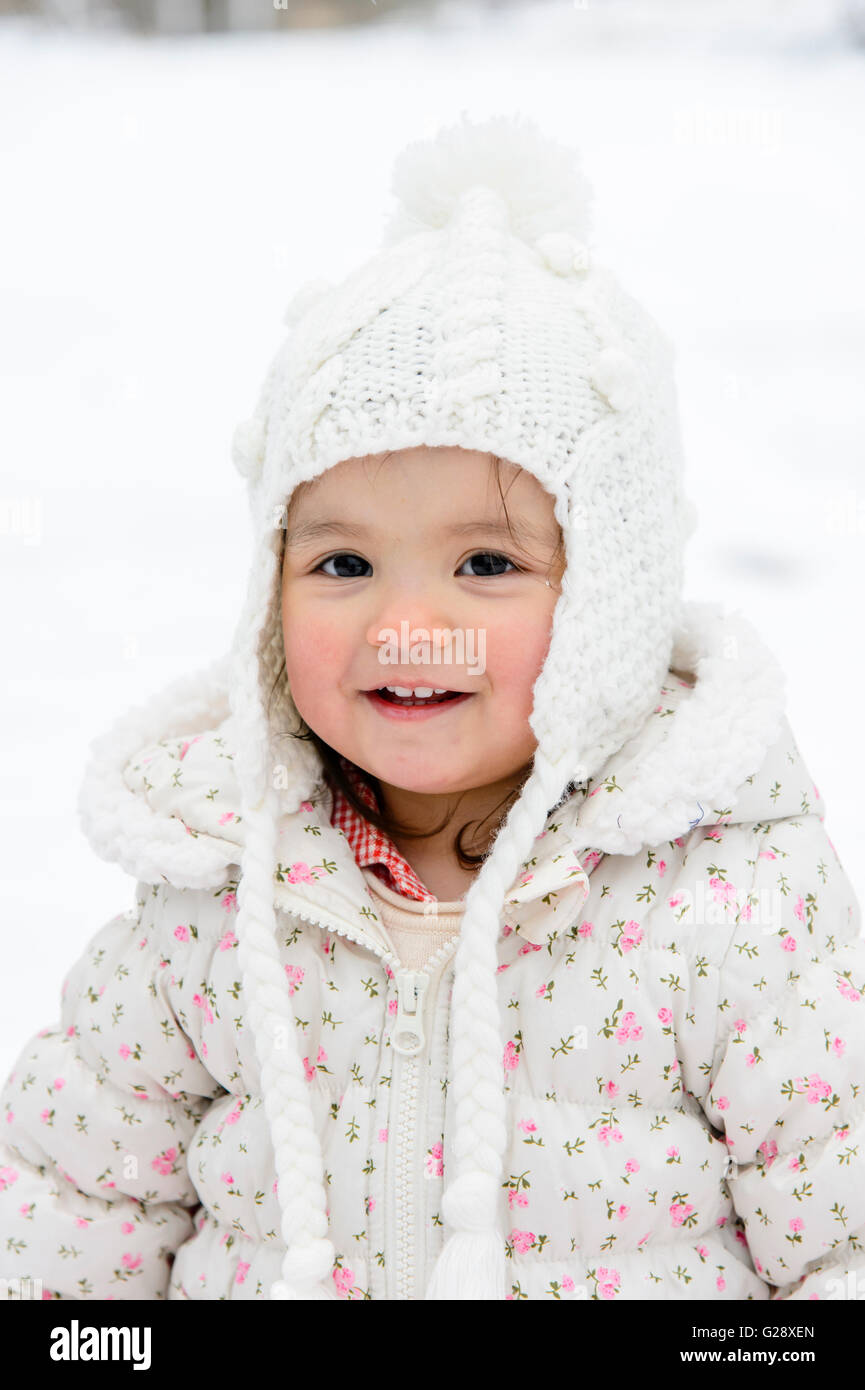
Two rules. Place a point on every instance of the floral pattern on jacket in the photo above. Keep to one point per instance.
(683, 1034)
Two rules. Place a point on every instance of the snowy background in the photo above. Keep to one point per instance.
(164, 197)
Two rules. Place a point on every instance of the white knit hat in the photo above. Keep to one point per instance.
(484, 323)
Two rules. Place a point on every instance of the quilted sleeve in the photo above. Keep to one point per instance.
(97, 1117)
(788, 1073)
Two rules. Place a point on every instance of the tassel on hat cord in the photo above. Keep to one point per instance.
(308, 1260)
(472, 1264)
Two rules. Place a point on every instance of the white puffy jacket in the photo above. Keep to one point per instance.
(684, 1048)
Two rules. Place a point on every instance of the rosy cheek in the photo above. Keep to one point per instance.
(314, 652)
(515, 654)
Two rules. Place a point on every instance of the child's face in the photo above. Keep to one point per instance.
(403, 562)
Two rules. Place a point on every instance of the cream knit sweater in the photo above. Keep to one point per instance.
(416, 930)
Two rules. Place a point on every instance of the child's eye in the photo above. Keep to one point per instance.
(344, 555)
(487, 557)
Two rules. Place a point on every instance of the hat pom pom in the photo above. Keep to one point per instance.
(539, 180)
(247, 448)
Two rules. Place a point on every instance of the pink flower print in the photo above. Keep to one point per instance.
(181, 932)
(798, 910)
(665, 1015)
(527, 1126)
(611, 1089)
(769, 1150)
(306, 806)
(125, 1050)
(838, 1046)
(540, 991)
(163, 1162)
(295, 975)
(344, 1279)
(308, 1068)
(185, 747)
(382, 1136)
(526, 878)
(606, 1133)
(847, 990)
(678, 1212)
(522, 1241)
(632, 935)
(750, 1060)
(226, 817)
(629, 1028)
(202, 1003)
(740, 1025)
(516, 1198)
(300, 873)
(45, 1115)
(512, 1057)
(662, 867)
(227, 1178)
(585, 929)
(797, 1224)
(722, 892)
(229, 901)
(703, 1251)
(591, 859)
(788, 942)
(434, 1165)
(529, 946)
(720, 1283)
(242, 1271)
(130, 1261)
(82, 1221)
(567, 1284)
(393, 1006)
(766, 854)
(227, 941)
(59, 1083)
(321, 1056)
(644, 1238)
(7, 1177)
(746, 913)
(817, 1088)
(128, 1227)
(674, 900)
(723, 1103)
(607, 1281)
(632, 1166)
(842, 1133)
(622, 1212)
(672, 1151)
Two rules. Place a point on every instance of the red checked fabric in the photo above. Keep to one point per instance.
(370, 847)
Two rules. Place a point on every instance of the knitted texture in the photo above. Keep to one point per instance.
(485, 323)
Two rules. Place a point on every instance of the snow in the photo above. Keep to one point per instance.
(164, 199)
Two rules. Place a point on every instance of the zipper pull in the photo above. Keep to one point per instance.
(408, 1035)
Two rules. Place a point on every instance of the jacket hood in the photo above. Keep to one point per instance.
(161, 795)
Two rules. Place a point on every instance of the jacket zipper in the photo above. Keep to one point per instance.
(408, 1041)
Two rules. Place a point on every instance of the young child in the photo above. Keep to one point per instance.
(488, 942)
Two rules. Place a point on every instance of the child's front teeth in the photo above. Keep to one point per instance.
(422, 692)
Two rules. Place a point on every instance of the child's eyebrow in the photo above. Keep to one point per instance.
(522, 530)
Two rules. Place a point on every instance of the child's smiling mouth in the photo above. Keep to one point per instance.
(414, 702)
